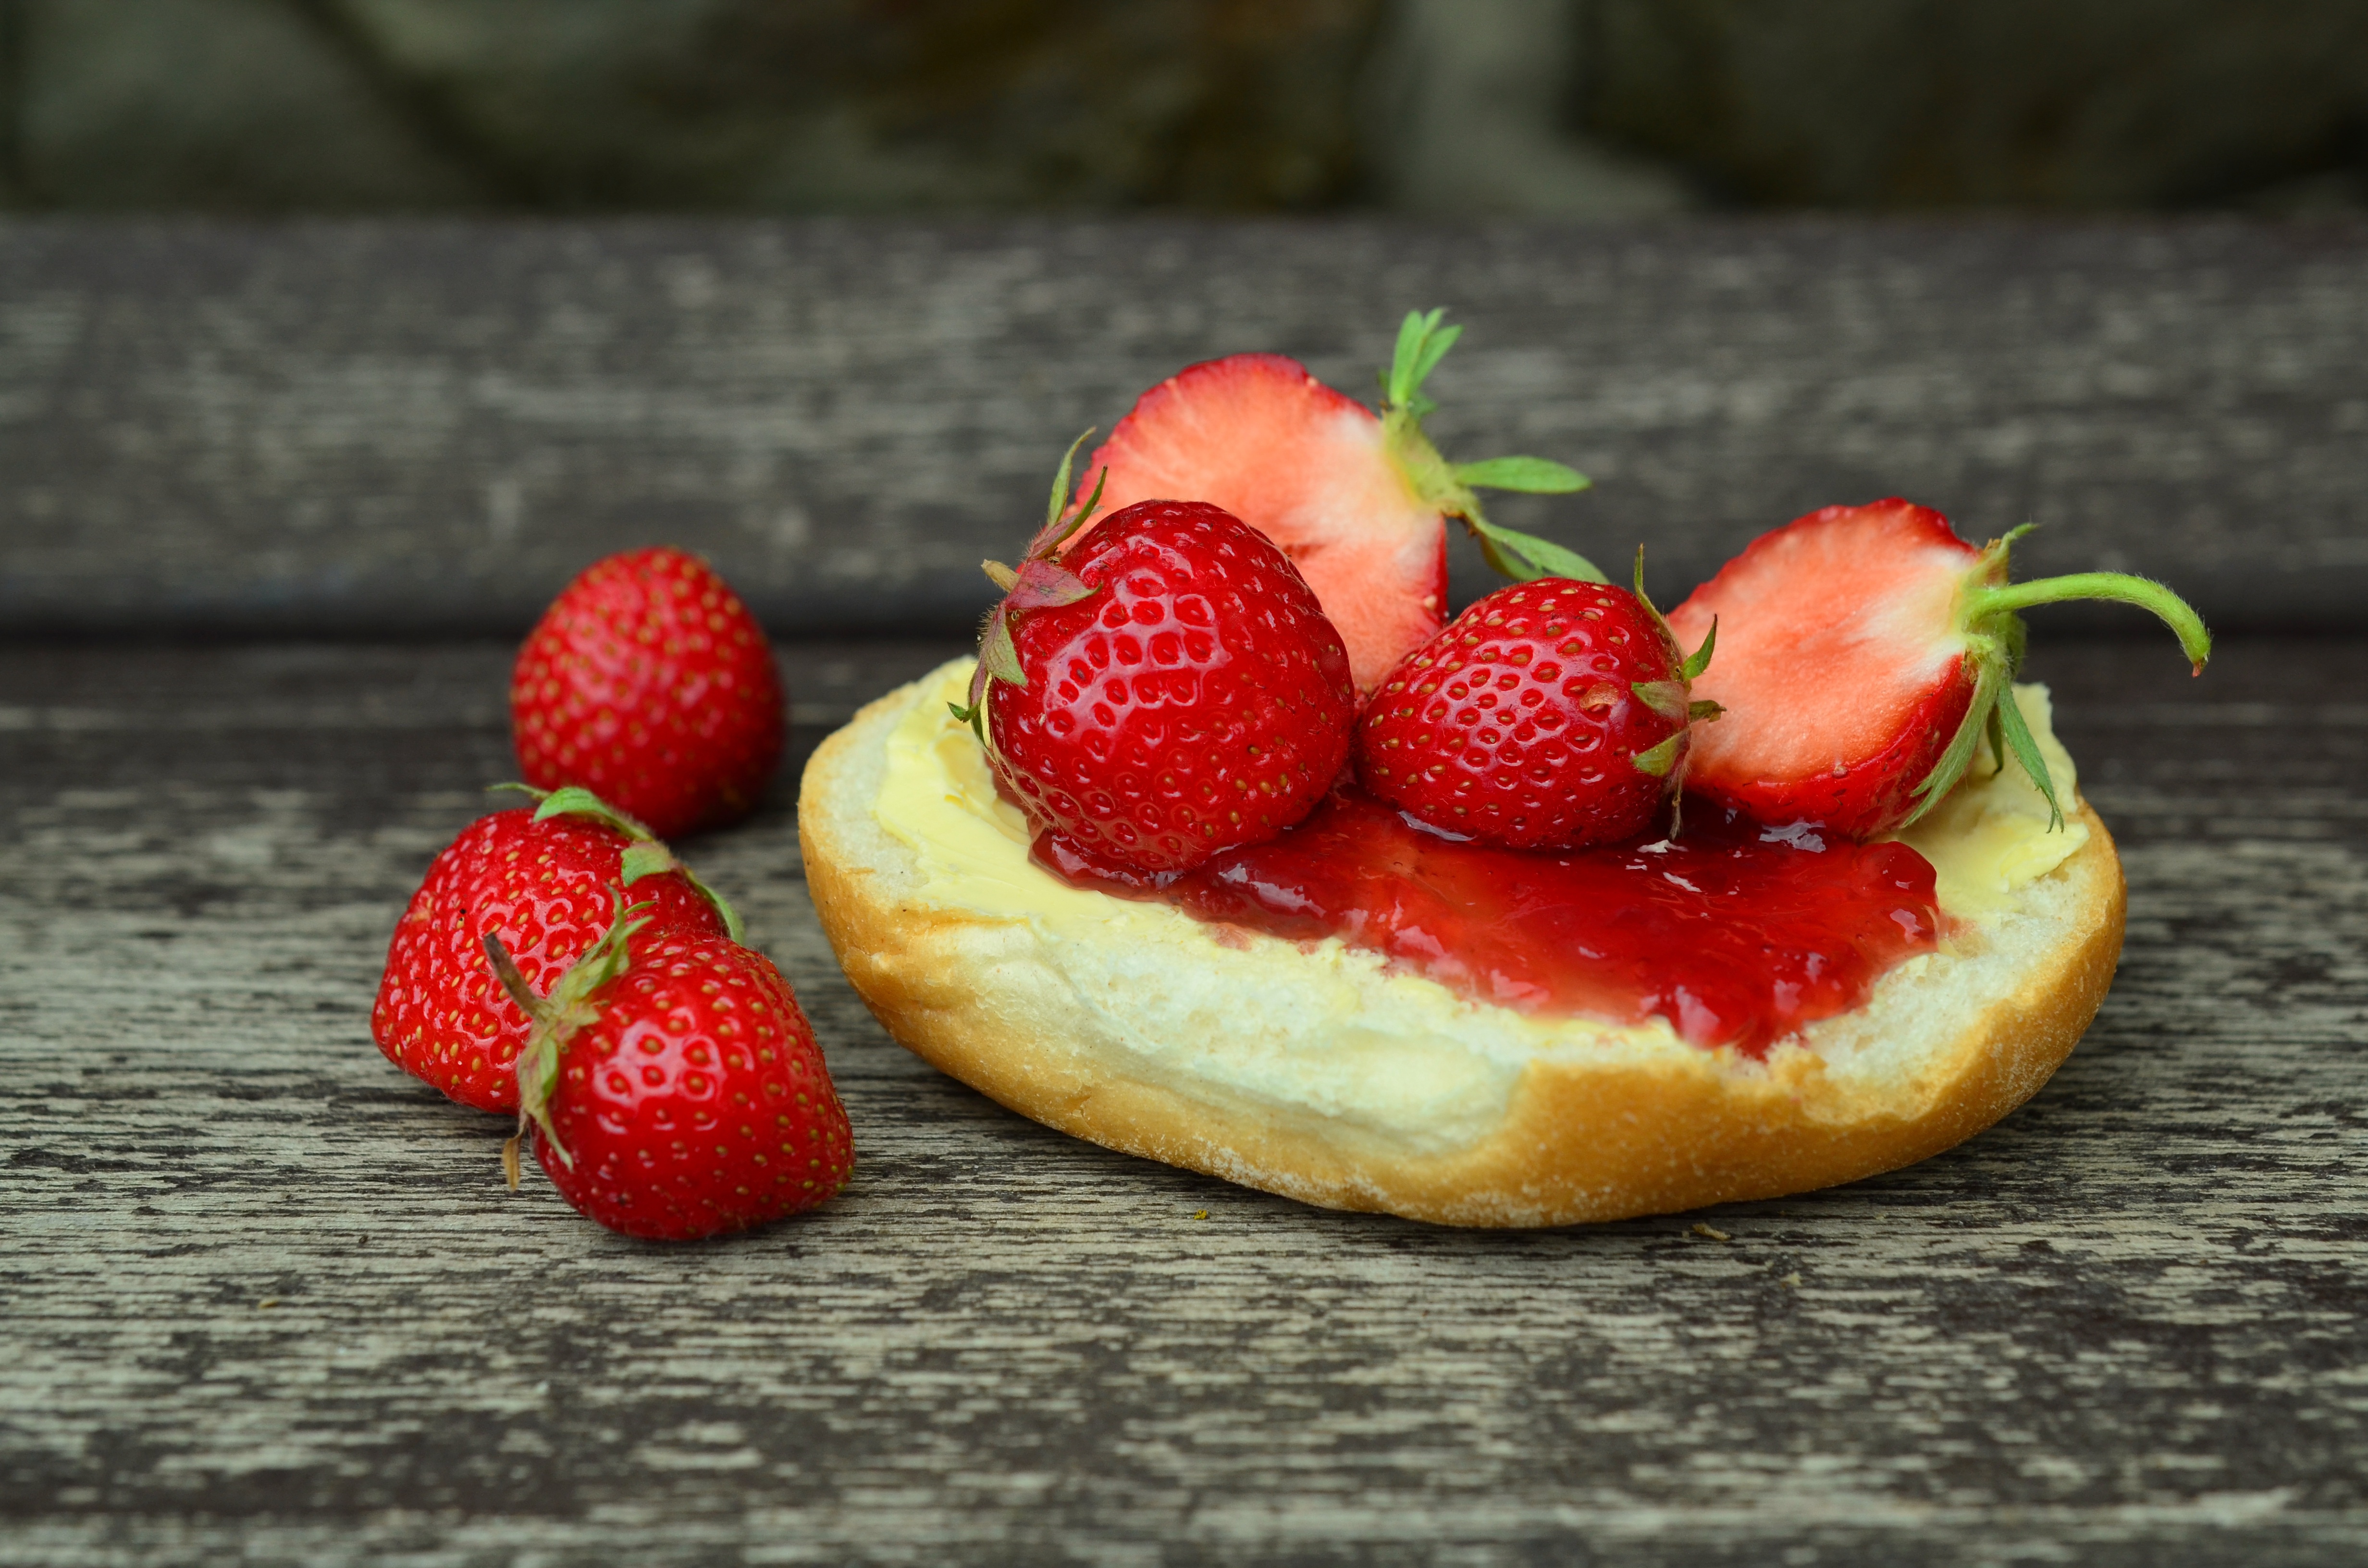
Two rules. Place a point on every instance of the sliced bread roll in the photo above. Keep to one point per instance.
(1314, 1071)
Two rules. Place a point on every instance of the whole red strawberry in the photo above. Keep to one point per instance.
(1550, 714)
(544, 880)
(680, 1093)
(648, 681)
(1867, 649)
(1169, 690)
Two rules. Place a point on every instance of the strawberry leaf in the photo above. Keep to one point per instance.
(1532, 476)
(1525, 557)
(1060, 522)
(1935, 785)
(1698, 660)
(654, 859)
(574, 800)
(1043, 585)
(974, 714)
(996, 655)
(732, 926)
(1413, 359)
(1060, 501)
(2026, 752)
(1661, 758)
(1093, 503)
(651, 859)
(1667, 698)
(1436, 344)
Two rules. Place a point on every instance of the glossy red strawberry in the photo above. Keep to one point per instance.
(648, 681)
(1863, 652)
(1358, 500)
(1550, 714)
(544, 879)
(1170, 689)
(678, 1094)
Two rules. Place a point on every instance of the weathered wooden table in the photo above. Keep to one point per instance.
(264, 1298)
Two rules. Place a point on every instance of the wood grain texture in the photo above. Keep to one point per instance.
(263, 1297)
(411, 429)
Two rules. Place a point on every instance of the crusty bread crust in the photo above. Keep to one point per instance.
(1591, 1138)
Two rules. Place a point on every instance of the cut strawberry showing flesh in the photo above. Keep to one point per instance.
(1258, 436)
(1862, 653)
(1359, 501)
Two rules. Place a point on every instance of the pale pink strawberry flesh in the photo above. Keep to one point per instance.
(1260, 436)
(1835, 635)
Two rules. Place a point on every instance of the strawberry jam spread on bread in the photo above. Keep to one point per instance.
(1733, 934)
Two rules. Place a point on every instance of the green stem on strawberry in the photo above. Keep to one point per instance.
(1673, 699)
(1041, 580)
(1447, 487)
(647, 855)
(1986, 614)
(2116, 586)
(557, 1017)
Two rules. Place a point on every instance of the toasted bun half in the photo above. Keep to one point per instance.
(1314, 1072)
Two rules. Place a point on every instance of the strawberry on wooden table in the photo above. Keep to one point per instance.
(648, 681)
(1359, 501)
(1863, 652)
(1551, 714)
(1167, 689)
(680, 1093)
(544, 879)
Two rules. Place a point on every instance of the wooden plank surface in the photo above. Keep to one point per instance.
(262, 1298)
(408, 427)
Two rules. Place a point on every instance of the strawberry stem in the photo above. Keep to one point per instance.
(2118, 586)
(1447, 487)
(557, 1018)
(505, 970)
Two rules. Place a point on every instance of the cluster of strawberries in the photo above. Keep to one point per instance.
(561, 966)
(1179, 677)
(1192, 671)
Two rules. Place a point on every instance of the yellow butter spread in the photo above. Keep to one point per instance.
(1988, 838)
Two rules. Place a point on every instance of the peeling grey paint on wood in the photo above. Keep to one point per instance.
(262, 1297)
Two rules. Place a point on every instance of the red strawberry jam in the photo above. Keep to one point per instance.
(1736, 933)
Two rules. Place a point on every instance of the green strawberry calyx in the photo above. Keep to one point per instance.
(1448, 488)
(1040, 581)
(1672, 698)
(645, 855)
(557, 1018)
(1995, 639)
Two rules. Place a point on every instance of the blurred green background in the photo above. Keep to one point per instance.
(1568, 108)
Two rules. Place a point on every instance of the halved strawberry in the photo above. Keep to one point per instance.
(1863, 651)
(1359, 501)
